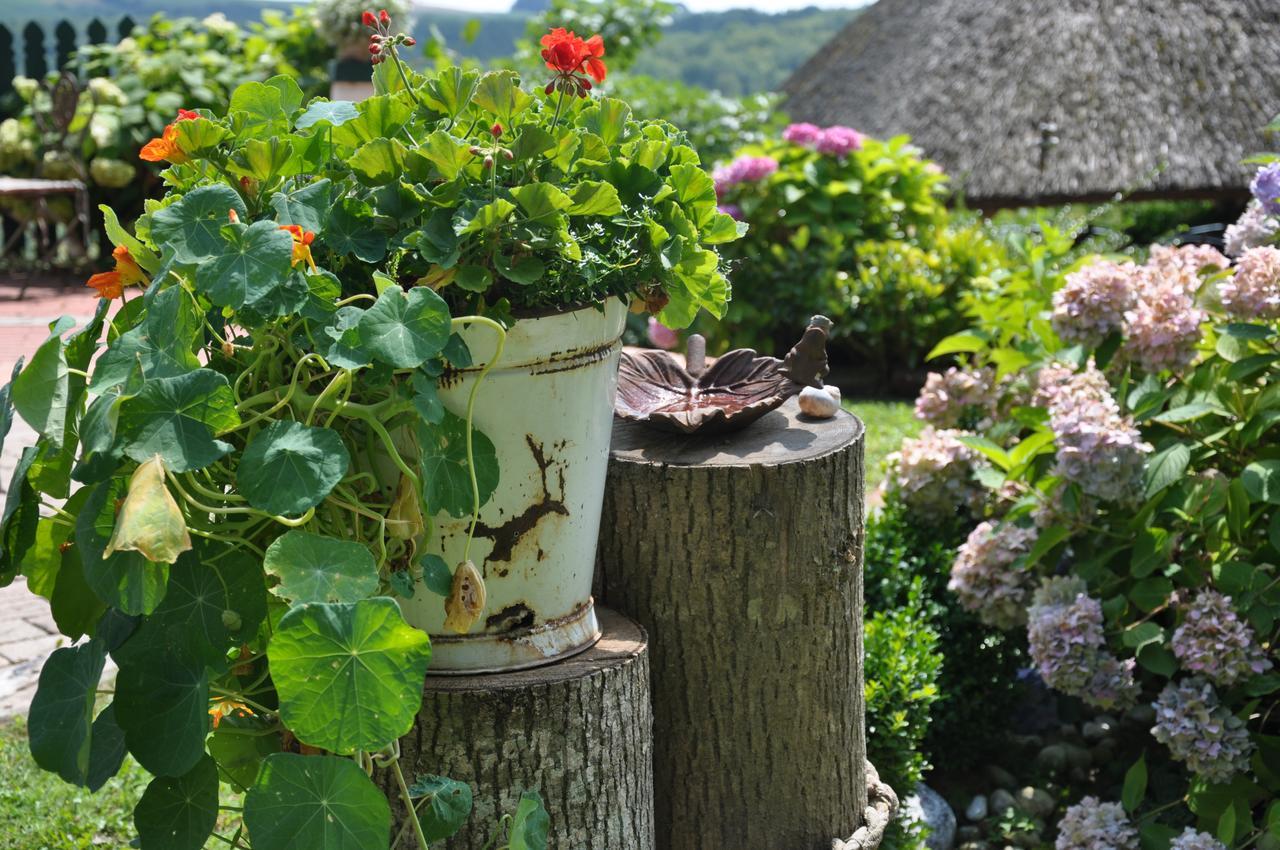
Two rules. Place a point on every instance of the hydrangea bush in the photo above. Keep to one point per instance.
(1130, 514)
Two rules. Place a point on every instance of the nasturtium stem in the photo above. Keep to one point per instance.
(408, 803)
(471, 405)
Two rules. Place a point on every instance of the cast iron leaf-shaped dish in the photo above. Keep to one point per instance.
(653, 388)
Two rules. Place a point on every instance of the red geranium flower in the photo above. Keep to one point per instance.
(187, 115)
(368, 19)
(569, 55)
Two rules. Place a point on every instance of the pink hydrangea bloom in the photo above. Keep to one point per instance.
(1213, 641)
(661, 336)
(1097, 447)
(934, 475)
(1064, 632)
(1190, 839)
(949, 397)
(1254, 228)
(1092, 303)
(744, 169)
(983, 576)
(1094, 825)
(1253, 292)
(1163, 328)
(1186, 263)
(1201, 732)
(838, 141)
(802, 134)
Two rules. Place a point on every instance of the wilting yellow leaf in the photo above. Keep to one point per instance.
(404, 519)
(149, 521)
(466, 599)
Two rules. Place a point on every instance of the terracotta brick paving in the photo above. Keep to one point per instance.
(27, 632)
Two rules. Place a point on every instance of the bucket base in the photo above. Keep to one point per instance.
(546, 643)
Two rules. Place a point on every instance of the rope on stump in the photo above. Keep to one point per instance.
(882, 805)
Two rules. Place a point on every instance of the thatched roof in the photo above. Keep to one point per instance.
(1048, 101)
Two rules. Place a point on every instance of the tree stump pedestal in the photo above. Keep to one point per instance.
(741, 555)
(578, 731)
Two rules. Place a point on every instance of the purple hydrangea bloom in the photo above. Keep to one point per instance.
(1192, 840)
(802, 134)
(1065, 634)
(1092, 302)
(1094, 825)
(934, 475)
(1266, 187)
(1253, 292)
(983, 576)
(948, 396)
(1215, 642)
(1200, 731)
(838, 141)
(1253, 229)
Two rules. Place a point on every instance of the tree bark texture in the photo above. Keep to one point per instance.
(578, 731)
(741, 555)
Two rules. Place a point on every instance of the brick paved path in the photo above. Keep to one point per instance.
(27, 632)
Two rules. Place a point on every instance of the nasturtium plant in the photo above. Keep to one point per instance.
(239, 456)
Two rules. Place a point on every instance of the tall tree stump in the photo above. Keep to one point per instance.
(742, 557)
(578, 731)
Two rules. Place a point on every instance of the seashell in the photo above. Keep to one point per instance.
(818, 403)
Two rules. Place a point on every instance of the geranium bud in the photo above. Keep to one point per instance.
(375, 38)
(150, 521)
(488, 162)
(404, 519)
(476, 150)
(495, 130)
(384, 17)
(375, 49)
(410, 41)
(466, 599)
(551, 86)
(508, 154)
(368, 19)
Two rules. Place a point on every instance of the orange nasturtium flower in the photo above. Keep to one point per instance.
(568, 55)
(126, 273)
(220, 707)
(166, 148)
(302, 240)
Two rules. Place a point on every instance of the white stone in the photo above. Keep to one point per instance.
(977, 808)
(818, 403)
(927, 806)
(833, 391)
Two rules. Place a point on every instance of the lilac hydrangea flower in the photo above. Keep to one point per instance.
(838, 141)
(1266, 187)
(1201, 732)
(744, 169)
(1185, 263)
(934, 475)
(733, 211)
(947, 397)
(802, 134)
(1065, 635)
(1163, 328)
(1253, 292)
(1092, 303)
(984, 579)
(1190, 839)
(1253, 229)
(1213, 641)
(1094, 825)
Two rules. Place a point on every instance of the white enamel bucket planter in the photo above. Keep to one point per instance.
(547, 405)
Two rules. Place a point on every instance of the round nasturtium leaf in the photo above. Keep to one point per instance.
(404, 330)
(62, 710)
(289, 467)
(349, 675)
(314, 568)
(447, 808)
(177, 419)
(179, 813)
(446, 477)
(192, 227)
(312, 802)
(162, 704)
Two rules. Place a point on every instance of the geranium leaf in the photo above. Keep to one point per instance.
(335, 113)
(486, 217)
(162, 704)
(177, 419)
(314, 568)
(447, 808)
(349, 675)
(124, 580)
(380, 117)
(354, 230)
(451, 90)
(252, 262)
(309, 802)
(289, 467)
(593, 197)
(62, 710)
(447, 480)
(192, 227)
(541, 200)
(291, 95)
(499, 94)
(403, 330)
(447, 153)
(179, 813)
(257, 111)
(307, 207)
(41, 391)
(378, 162)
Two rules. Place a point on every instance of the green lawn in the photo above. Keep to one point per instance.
(38, 811)
(888, 422)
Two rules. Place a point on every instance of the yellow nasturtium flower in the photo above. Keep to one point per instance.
(149, 521)
(466, 599)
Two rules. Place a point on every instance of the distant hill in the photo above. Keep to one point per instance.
(738, 51)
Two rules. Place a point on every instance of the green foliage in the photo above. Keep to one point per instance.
(864, 239)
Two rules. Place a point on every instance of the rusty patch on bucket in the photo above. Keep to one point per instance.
(517, 616)
(507, 536)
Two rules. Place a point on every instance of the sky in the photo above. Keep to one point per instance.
(694, 5)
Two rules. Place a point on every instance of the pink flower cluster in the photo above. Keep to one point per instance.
(934, 475)
(1098, 448)
(1163, 327)
(834, 141)
(1094, 825)
(1092, 303)
(1186, 263)
(1192, 840)
(744, 169)
(1213, 641)
(1254, 228)
(1064, 631)
(984, 578)
(949, 398)
(1200, 731)
(1253, 292)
